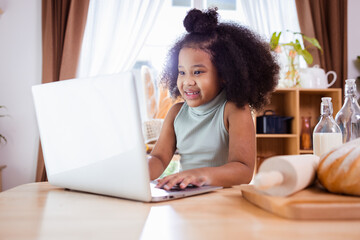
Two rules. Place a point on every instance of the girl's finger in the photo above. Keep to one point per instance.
(162, 182)
(186, 181)
(173, 181)
(200, 181)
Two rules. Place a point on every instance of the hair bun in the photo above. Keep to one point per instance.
(197, 21)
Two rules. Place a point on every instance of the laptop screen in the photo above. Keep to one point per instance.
(82, 121)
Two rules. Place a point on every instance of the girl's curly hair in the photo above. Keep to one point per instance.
(244, 62)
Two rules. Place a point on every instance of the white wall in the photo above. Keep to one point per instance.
(20, 68)
(353, 38)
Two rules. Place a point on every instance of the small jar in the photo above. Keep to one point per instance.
(305, 136)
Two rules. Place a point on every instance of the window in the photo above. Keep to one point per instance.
(181, 3)
(222, 4)
(263, 16)
(169, 26)
(166, 29)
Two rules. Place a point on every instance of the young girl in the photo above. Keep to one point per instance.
(222, 71)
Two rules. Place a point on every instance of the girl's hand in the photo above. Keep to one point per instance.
(185, 178)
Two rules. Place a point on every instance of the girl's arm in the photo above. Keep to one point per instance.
(240, 166)
(165, 146)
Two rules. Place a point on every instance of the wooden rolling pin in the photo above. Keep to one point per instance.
(285, 175)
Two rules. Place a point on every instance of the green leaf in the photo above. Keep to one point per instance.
(291, 44)
(297, 46)
(313, 41)
(274, 41)
(306, 55)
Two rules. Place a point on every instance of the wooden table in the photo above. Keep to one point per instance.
(42, 211)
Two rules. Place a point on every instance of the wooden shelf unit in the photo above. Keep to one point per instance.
(295, 102)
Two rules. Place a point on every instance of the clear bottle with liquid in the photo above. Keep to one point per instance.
(348, 118)
(327, 133)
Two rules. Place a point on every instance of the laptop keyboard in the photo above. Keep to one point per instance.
(175, 188)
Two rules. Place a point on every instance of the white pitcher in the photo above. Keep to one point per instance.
(316, 77)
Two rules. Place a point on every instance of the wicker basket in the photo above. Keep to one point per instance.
(151, 130)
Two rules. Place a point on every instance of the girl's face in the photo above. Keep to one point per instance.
(198, 80)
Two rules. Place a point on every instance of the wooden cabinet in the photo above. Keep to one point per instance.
(295, 102)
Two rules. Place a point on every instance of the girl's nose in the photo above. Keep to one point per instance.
(189, 82)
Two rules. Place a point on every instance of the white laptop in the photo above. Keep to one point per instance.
(91, 136)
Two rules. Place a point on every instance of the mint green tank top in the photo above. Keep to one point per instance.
(201, 137)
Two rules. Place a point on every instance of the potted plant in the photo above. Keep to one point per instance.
(2, 138)
(293, 50)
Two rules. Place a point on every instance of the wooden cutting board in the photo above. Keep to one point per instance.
(310, 203)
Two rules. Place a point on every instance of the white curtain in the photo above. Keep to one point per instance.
(114, 34)
(268, 16)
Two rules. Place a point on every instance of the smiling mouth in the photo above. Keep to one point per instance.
(192, 93)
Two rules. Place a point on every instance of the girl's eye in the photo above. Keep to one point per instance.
(181, 73)
(197, 72)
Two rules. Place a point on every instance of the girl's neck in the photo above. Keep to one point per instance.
(211, 105)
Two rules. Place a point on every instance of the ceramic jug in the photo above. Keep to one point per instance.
(316, 77)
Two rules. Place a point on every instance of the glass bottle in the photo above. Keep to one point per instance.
(348, 118)
(327, 133)
(305, 136)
